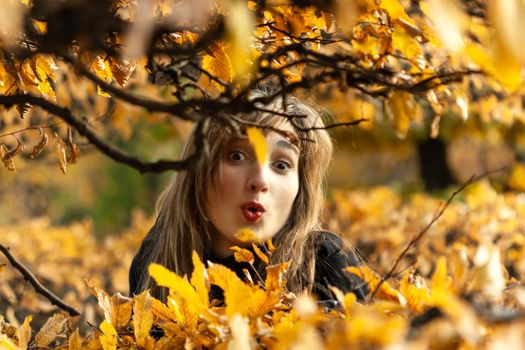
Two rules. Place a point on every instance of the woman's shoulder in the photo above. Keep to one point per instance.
(333, 256)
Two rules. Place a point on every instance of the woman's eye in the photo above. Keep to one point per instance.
(282, 165)
(236, 156)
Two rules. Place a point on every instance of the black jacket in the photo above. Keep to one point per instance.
(331, 261)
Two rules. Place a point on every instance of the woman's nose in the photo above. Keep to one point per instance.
(258, 179)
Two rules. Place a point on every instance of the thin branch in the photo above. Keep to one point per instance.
(416, 238)
(113, 152)
(177, 108)
(41, 289)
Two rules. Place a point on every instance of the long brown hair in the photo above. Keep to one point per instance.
(182, 225)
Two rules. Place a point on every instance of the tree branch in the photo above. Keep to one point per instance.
(113, 152)
(41, 289)
(416, 238)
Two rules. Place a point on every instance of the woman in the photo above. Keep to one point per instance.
(280, 199)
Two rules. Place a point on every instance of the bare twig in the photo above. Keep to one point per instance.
(41, 289)
(416, 238)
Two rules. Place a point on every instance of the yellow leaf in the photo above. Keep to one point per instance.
(218, 64)
(406, 44)
(186, 313)
(480, 193)
(449, 21)
(517, 177)
(24, 333)
(236, 290)
(260, 254)
(240, 24)
(386, 291)
(270, 246)
(246, 235)
(240, 328)
(508, 25)
(162, 311)
(74, 341)
(396, 10)
(403, 110)
(102, 69)
(274, 277)
(242, 255)
(440, 278)
(199, 279)
(142, 317)
(256, 138)
(416, 292)
(54, 327)
(7, 80)
(108, 339)
(177, 284)
(488, 275)
(6, 343)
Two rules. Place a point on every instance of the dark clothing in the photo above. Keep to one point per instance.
(331, 261)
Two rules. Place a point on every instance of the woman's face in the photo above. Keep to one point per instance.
(253, 195)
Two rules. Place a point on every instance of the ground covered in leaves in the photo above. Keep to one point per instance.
(459, 288)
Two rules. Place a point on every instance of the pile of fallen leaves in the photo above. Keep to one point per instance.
(459, 288)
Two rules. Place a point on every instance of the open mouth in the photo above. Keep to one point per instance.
(252, 211)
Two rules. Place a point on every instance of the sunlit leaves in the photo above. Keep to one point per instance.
(108, 339)
(403, 110)
(142, 319)
(239, 27)
(218, 65)
(54, 327)
(246, 235)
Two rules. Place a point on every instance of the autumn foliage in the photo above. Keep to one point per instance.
(459, 288)
(68, 86)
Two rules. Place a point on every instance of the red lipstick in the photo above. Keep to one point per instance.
(252, 211)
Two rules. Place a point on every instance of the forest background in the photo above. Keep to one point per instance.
(422, 96)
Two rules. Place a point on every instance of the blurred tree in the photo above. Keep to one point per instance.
(82, 72)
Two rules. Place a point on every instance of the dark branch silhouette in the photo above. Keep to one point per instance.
(41, 289)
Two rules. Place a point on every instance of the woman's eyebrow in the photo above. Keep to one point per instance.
(288, 145)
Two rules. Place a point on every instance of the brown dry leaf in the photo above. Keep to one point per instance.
(73, 153)
(54, 327)
(23, 109)
(6, 159)
(142, 318)
(41, 144)
(121, 70)
(242, 255)
(60, 152)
